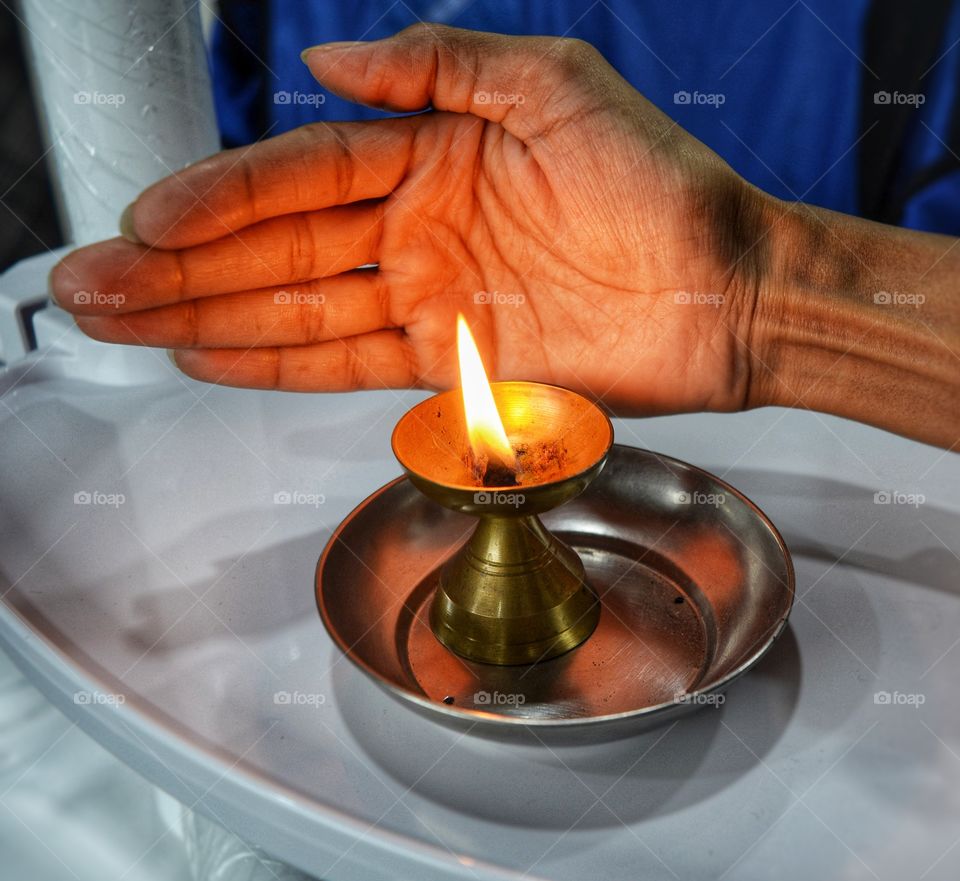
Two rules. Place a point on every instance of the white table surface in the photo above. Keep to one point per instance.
(69, 811)
(192, 602)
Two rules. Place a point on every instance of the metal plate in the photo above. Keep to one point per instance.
(695, 584)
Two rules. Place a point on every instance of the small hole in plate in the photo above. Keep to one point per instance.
(448, 699)
(678, 600)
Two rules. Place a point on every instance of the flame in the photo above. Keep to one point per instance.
(484, 427)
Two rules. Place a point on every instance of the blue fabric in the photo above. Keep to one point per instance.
(936, 207)
(789, 74)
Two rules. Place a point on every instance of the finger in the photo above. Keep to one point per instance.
(371, 361)
(315, 166)
(346, 305)
(528, 84)
(118, 276)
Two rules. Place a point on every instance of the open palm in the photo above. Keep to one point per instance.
(589, 240)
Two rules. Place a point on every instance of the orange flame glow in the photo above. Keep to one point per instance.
(484, 426)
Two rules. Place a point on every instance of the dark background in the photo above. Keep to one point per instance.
(28, 218)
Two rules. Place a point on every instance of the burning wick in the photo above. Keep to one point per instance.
(494, 461)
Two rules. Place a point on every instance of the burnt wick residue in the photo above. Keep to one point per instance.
(536, 463)
(488, 471)
(541, 459)
(498, 474)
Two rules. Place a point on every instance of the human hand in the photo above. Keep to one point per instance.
(620, 249)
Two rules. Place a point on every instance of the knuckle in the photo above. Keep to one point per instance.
(275, 367)
(382, 294)
(422, 30)
(302, 253)
(206, 179)
(453, 55)
(179, 268)
(343, 169)
(313, 315)
(328, 141)
(413, 374)
(247, 184)
(355, 367)
(571, 55)
(192, 322)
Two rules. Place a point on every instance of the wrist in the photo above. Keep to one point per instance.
(857, 319)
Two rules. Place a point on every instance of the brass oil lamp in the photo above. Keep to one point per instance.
(506, 453)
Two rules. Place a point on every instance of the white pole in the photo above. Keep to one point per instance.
(125, 93)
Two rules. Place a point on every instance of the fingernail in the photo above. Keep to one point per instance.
(323, 47)
(51, 289)
(126, 226)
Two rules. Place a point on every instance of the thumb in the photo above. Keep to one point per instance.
(528, 84)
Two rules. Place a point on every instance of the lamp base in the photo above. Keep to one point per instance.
(514, 594)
